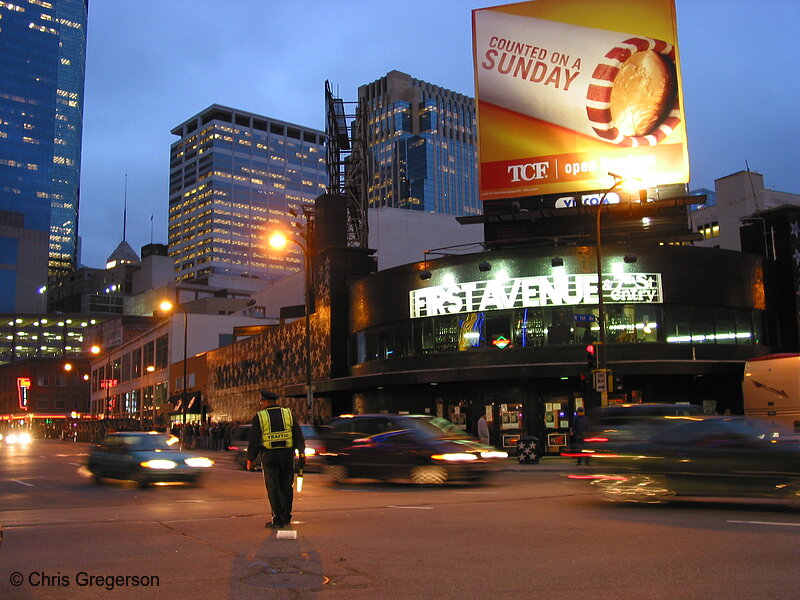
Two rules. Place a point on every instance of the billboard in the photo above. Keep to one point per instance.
(570, 90)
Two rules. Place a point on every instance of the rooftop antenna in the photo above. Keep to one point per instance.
(752, 187)
(760, 218)
(151, 228)
(125, 209)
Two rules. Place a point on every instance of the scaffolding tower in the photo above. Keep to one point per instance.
(347, 163)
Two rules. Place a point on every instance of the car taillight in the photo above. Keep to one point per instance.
(595, 439)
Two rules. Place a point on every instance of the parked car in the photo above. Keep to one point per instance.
(409, 447)
(145, 457)
(315, 447)
(701, 456)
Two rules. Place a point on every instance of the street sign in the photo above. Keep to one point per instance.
(578, 318)
(600, 379)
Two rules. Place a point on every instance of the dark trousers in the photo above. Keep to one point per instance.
(278, 468)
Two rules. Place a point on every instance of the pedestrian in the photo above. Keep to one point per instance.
(483, 430)
(275, 434)
(580, 427)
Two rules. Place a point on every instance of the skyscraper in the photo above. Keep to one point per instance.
(421, 142)
(235, 175)
(43, 45)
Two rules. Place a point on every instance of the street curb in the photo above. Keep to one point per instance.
(546, 463)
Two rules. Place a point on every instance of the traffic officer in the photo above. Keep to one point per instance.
(274, 436)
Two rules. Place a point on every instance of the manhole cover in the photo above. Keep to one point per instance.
(281, 573)
(297, 580)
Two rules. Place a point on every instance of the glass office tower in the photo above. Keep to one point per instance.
(43, 49)
(421, 141)
(234, 177)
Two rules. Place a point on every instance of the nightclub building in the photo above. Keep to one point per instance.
(504, 332)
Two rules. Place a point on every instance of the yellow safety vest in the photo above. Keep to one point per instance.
(277, 438)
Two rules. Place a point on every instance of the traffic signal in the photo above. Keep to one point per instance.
(591, 357)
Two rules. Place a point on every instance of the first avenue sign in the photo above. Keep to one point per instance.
(528, 292)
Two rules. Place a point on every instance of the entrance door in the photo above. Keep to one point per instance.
(556, 423)
(509, 425)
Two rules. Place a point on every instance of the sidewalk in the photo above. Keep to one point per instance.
(546, 463)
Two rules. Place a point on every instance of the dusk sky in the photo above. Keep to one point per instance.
(153, 64)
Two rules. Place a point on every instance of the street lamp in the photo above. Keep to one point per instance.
(95, 349)
(168, 306)
(601, 315)
(150, 370)
(42, 292)
(278, 241)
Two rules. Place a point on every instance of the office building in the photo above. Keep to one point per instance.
(739, 200)
(33, 336)
(234, 176)
(421, 144)
(43, 44)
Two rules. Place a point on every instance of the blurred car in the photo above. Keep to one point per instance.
(635, 422)
(454, 432)
(17, 438)
(701, 456)
(240, 438)
(145, 457)
(315, 447)
(627, 423)
(410, 447)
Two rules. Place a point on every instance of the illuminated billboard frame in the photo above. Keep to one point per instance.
(568, 90)
(538, 291)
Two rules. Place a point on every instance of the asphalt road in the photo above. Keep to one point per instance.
(530, 533)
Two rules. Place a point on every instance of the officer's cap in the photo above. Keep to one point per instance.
(267, 395)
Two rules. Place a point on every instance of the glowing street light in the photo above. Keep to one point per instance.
(629, 183)
(278, 241)
(168, 306)
(95, 349)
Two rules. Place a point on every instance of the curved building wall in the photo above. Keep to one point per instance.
(507, 324)
(689, 276)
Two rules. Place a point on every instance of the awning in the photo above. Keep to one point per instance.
(194, 401)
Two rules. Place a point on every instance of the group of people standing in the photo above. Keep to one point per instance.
(209, 435)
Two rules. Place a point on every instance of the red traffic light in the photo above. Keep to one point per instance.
(590, 349)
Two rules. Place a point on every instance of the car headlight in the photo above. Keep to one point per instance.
(159, 464)
(24, 438)
(199, 461)
(455, 457)
(310, 451)
(11, 438)
(494, 454)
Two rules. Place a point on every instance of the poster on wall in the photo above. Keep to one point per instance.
(570, 90)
